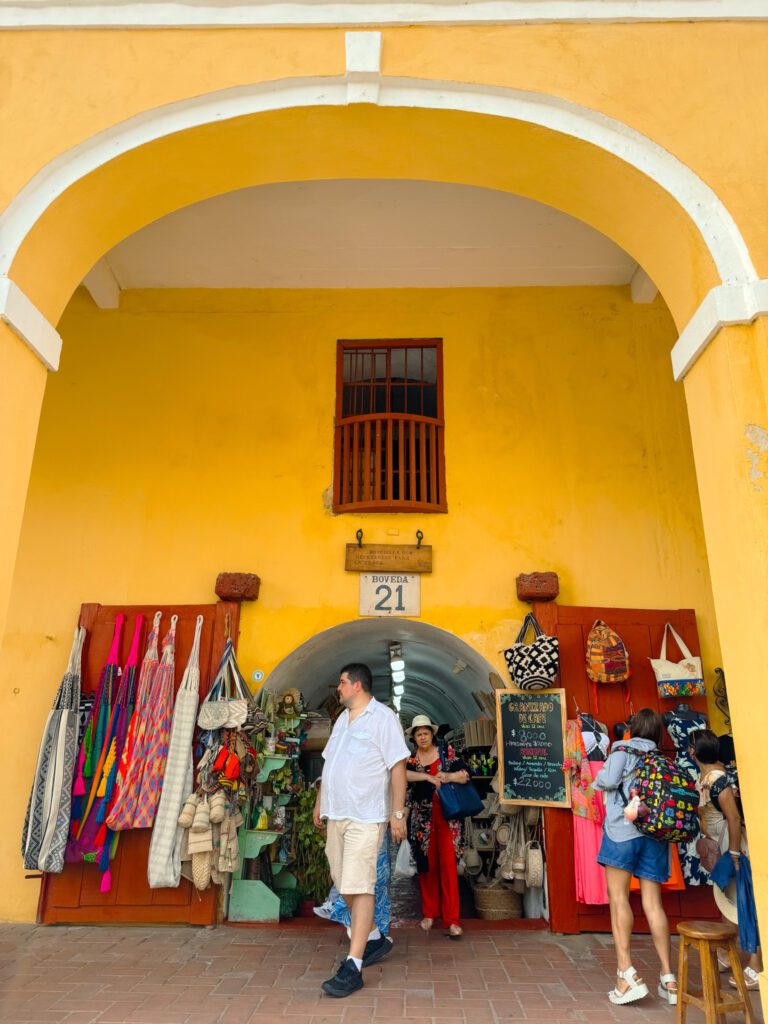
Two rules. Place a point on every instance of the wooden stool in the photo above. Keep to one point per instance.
(708, 935)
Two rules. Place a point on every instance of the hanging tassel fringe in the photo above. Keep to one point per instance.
(86, 769)
(104, 856)
(106, 881)
(77, 808)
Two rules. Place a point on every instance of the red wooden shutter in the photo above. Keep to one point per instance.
(389, 454)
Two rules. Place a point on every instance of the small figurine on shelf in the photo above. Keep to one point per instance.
(261, 819)
(278, 819)
(289, 706)
(281, 747)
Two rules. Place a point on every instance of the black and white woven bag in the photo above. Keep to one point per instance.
(533, 666)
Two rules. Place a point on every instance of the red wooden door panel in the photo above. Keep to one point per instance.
(642, 631)
(74, 896)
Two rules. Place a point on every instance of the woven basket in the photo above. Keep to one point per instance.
(497, 903)
(201, 870)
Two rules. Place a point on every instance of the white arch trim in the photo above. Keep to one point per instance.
(364, 83)
(334, 13)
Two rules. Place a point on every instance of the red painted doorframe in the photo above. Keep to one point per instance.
(641, 630)
(74, 897)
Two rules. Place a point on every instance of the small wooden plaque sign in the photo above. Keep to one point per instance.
(405, 558)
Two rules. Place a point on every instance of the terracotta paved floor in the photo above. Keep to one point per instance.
(236, 975)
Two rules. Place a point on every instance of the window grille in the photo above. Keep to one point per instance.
(389, 453)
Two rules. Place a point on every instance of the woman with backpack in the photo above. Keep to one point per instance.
(624, 852)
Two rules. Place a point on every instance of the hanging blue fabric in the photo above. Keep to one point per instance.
(722, 873)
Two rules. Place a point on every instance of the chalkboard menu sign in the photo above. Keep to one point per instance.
(531, 742)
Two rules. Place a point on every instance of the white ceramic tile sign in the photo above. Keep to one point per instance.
(390, 593)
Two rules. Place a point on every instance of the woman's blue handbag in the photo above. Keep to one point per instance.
(458, 799)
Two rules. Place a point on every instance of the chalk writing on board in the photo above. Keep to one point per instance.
(531, 728)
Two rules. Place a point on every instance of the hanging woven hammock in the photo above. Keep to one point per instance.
(133, 748)
(92, 746)
(47, 822)
(94, 841)
(137, 803)
(164, 868)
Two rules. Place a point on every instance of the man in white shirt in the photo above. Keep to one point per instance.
(362, 790)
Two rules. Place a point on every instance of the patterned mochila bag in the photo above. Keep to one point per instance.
(607, 659)
(533, 666)
(671, 801)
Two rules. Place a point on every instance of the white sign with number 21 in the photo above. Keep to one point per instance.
(390, 593)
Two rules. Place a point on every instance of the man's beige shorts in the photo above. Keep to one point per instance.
(352, 849)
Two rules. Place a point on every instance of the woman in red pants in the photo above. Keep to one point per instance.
(436, 842)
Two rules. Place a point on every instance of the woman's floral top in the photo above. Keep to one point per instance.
(423, 802)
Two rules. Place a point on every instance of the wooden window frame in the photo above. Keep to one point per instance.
(430, 431)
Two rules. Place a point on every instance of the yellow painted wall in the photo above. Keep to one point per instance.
(191, 432)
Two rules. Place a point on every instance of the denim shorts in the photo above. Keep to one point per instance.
(643, 857)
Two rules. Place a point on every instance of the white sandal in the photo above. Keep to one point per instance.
(751, 979)
(637, 988)
(667, 993)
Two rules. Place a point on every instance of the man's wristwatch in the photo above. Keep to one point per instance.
(398, 815)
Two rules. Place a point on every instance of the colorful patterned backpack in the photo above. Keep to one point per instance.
(669, 794)
(607, 659)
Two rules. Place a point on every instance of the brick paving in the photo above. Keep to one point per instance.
(241, 975)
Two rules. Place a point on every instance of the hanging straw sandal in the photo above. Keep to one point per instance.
(637, 988)
(669, 994)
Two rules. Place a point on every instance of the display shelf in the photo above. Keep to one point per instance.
(279, 865)
(253, 841)
(252, 901)
(282, 799)
(271, 763)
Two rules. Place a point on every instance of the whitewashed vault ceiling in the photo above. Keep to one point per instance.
(365, 234)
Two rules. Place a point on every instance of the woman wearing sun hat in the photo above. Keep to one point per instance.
(436, 842)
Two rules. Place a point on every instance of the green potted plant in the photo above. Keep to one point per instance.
(312, 875)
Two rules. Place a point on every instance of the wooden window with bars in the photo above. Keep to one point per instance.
(389, 453)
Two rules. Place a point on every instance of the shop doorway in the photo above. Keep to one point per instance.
(445, 679)
(443, 674)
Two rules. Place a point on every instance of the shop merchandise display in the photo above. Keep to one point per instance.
(46, 824)
(533, 666)
(164, 868)
(586, 747)
(680, 723)
(137, 801)
(607, 660)
(503, 858)
(95, 788)
(677, 678)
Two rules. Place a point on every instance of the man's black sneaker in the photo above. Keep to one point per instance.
(346, 981)
(377, 949)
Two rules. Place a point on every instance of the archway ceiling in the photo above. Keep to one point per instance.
(442, 672)
(367, 234)
(312, 143)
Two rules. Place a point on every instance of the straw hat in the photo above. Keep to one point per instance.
(421, 722)
(726, 901)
